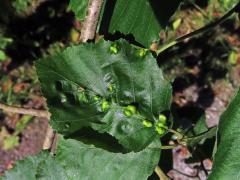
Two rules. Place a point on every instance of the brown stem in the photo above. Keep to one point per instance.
(48, 141)
(32, 112)
(90, 23)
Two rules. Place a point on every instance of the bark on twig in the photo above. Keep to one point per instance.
(90, 23)
(32, 112)
(48, 141)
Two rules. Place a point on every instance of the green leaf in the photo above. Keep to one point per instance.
(88, 162)
(90, 86)
(200, 126)
(227, 160)
(76, 160)
(41, 166)
(201, 138)
(144, 19)
(3, 56)
(21, 6)
(200, 133)
(79, 7)
(228, 4)
(129, 131)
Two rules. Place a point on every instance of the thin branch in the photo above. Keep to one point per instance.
(199, 31)
(90, 23)
(160, 173)
(48, 141)
(178, 134)
(32, 112)
(53, 147)
(168, 147)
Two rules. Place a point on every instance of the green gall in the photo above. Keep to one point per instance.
(111, 87)
(161, 125)
(127, 113)
(96, 98)
(147, 123)
(160, 130)
(114, 49)
(162, 118)
(132, 109)
(105, 105)
(142, 52)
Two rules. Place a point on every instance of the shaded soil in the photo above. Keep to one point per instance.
(31, 143)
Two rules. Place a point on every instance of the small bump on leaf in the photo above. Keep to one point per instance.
(130, 110)
(82, 97)
(162, 118)
(147, 123)
(96, 98)
(160, 130)
(105, 105)
(127, 113)
(114, 48)
(142, 52)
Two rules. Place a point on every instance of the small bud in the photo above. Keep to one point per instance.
(174, 137)
(147, 123)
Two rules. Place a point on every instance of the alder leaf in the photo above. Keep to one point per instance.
(79, 7)
(144, 19)
(76, 160)
(227, 160)
(78, 81)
